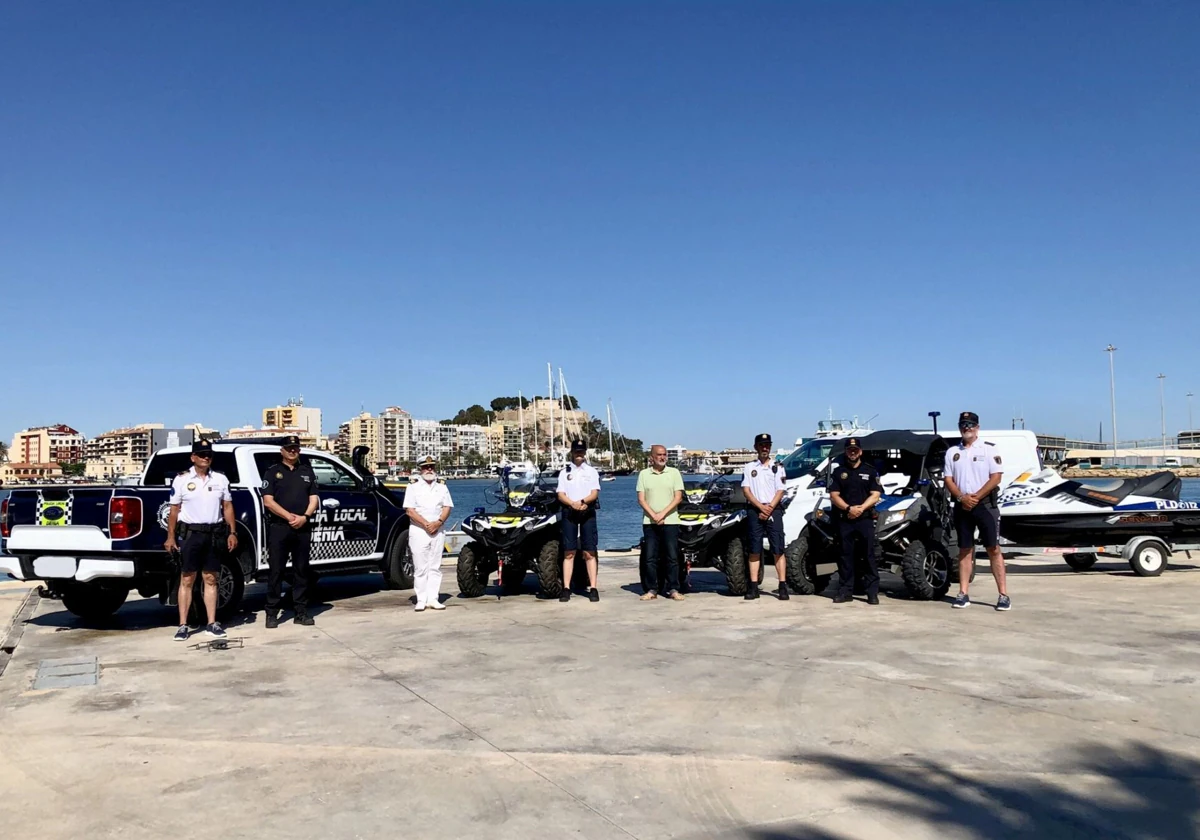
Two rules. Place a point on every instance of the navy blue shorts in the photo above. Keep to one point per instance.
(983, 517)
(580, 536)
(771, 528)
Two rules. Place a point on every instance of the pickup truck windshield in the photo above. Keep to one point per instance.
(164, 468)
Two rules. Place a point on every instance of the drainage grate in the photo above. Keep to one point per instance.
(67, 673)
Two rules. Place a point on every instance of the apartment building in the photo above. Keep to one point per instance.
(294, 415)
(57, 444)
(135, 444)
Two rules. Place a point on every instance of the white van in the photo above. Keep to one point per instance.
(805, 483)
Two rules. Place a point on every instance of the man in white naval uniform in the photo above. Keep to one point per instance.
(428, 505)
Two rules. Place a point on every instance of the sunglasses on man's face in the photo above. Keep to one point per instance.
(291, 449)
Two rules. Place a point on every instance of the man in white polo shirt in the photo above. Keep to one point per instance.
(202, 512)
(973, 471)
(762, 482)
(428, 505)
(578, 490)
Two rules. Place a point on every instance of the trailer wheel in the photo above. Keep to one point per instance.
(398, 574)
(94, 601)
(472, 575)
(926, 571)
(549, 569)
(737, 572)
(1149, 559)
(1080, 561)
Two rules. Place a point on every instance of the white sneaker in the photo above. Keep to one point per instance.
(437, 605)
(419, 607)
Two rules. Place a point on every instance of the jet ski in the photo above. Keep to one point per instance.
(1050, 511)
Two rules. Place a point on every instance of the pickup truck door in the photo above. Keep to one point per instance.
(346, 524)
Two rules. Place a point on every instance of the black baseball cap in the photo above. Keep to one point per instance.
(290, 441)
(968, 418)
(852, 443)
(579, 445)
(760, 439)
(202, 447)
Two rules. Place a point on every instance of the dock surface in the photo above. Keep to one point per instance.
(1075, 714)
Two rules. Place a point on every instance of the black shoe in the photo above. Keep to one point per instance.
(272, 620)
(873, 600)
(565, 596)
(303, 620)
(783, 593)
(215, 630)
(843, 599)
(593, 595)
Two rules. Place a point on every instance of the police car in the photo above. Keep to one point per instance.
(92, 545)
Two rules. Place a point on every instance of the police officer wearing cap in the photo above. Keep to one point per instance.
(854, 490)
(762, 483)
(973, 472)
(290, 495)
(202, 515)
(578, 490)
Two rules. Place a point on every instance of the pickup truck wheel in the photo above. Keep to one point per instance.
(1080, 562)
(549, 569)
(231, 586)
(926, 571)
(737, 573)
(398, 573)
(472, 574)
(94, 602)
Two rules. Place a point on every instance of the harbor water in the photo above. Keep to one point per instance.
(619, 519)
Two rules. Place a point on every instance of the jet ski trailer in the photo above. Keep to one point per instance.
(1138, 519)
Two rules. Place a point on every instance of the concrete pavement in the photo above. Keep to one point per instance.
(1076, 714)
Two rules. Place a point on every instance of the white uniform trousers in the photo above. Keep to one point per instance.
(427, 563)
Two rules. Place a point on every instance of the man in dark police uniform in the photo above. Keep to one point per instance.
(854, 489)
(290, 496)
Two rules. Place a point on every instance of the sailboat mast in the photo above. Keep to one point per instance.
(612, 455)
(550, 385)
(521, 420)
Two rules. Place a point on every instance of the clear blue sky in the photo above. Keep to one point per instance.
(727, 217)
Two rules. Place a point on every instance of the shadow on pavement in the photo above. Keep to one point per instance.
(1135, 790)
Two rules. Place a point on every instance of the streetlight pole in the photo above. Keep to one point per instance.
(1162, 412)
(935, 415)
(1189, 396)
(1112, 394)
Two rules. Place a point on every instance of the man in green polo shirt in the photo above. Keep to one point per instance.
(659, 492)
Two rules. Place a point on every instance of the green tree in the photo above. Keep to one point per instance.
(74, 469)
(475, 415)
(506, 403)
(3, 451)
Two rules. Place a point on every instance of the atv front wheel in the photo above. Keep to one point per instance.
(802, 574)
(926, 571)
(737, 573)
(549, 569)
(472, 574)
